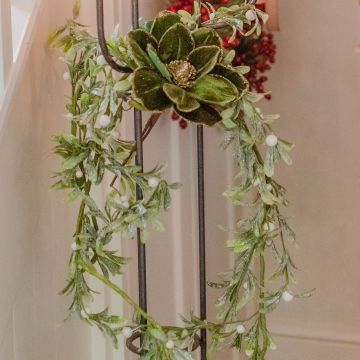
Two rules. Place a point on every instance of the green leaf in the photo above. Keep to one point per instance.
(138, 41)
(122, 85)
(229, 57)
(228, 123)
(73, 161)
(91, 204)
(71, 139)
(181, 355)
(204, 58)
(205, 114)
(158, 63)
(269, 163)
(91, 171)
(148, 87)
(242, 69)
(204, 36)
(184, 102)
(158, 334)
(176, 44)
(237, 79)
(163, 22)
(214, 89)
(76, 9)
(283, 152)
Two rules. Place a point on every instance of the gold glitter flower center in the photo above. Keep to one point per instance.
(182, 72)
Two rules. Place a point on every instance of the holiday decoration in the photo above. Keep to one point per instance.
(256, 51)
(172, 62)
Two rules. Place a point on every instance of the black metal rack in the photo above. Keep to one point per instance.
(139, 161)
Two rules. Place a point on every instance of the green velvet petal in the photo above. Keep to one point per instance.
(205, 114)
(158, 63)
(214, 89)
(204, 58)
(176, 44)
(204, 36)
(148, 87)
(235, 77)
(184, 102)
(138, 41)
(164, 21)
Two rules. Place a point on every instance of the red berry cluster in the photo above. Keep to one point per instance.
(182, 122)
(257, 52)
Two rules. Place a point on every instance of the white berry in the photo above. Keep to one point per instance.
(246, 286)
(240, 329)
(256, 182)
(84, 313)
(287, 297)
(100, 60)
(104, 120)
(69, 116)
(74, 246)
(249, 352)
(79, 174)
(269, 227)
(273, 346)
(124, 198)
(258, 110)
(269, 187)
(153, 182)
(170, 345)
(271, 140)
(66, 76)
(126, 332)
(126, 204)
(250, 15)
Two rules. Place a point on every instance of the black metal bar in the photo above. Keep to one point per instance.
(102, 40)
(202, 242)
(139, 160)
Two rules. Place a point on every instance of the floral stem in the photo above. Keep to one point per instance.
(145, 133)
(92, 271)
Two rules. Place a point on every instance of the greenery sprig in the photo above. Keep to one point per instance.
(179, 64)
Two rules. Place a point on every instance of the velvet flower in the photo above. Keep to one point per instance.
(183, 69)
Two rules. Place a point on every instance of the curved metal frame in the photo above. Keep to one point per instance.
(202, 340)
(139, 351)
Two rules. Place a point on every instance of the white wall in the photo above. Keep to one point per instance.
(36, 226)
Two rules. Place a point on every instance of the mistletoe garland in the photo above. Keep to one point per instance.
(173, 63)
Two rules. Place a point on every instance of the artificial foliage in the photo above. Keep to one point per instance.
(257, 51)
(176, 63)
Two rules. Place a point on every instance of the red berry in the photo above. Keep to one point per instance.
(205, 17)
(268, 96)
(183, 124)
(175, 116)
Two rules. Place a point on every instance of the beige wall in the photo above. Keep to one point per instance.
(316, 84)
